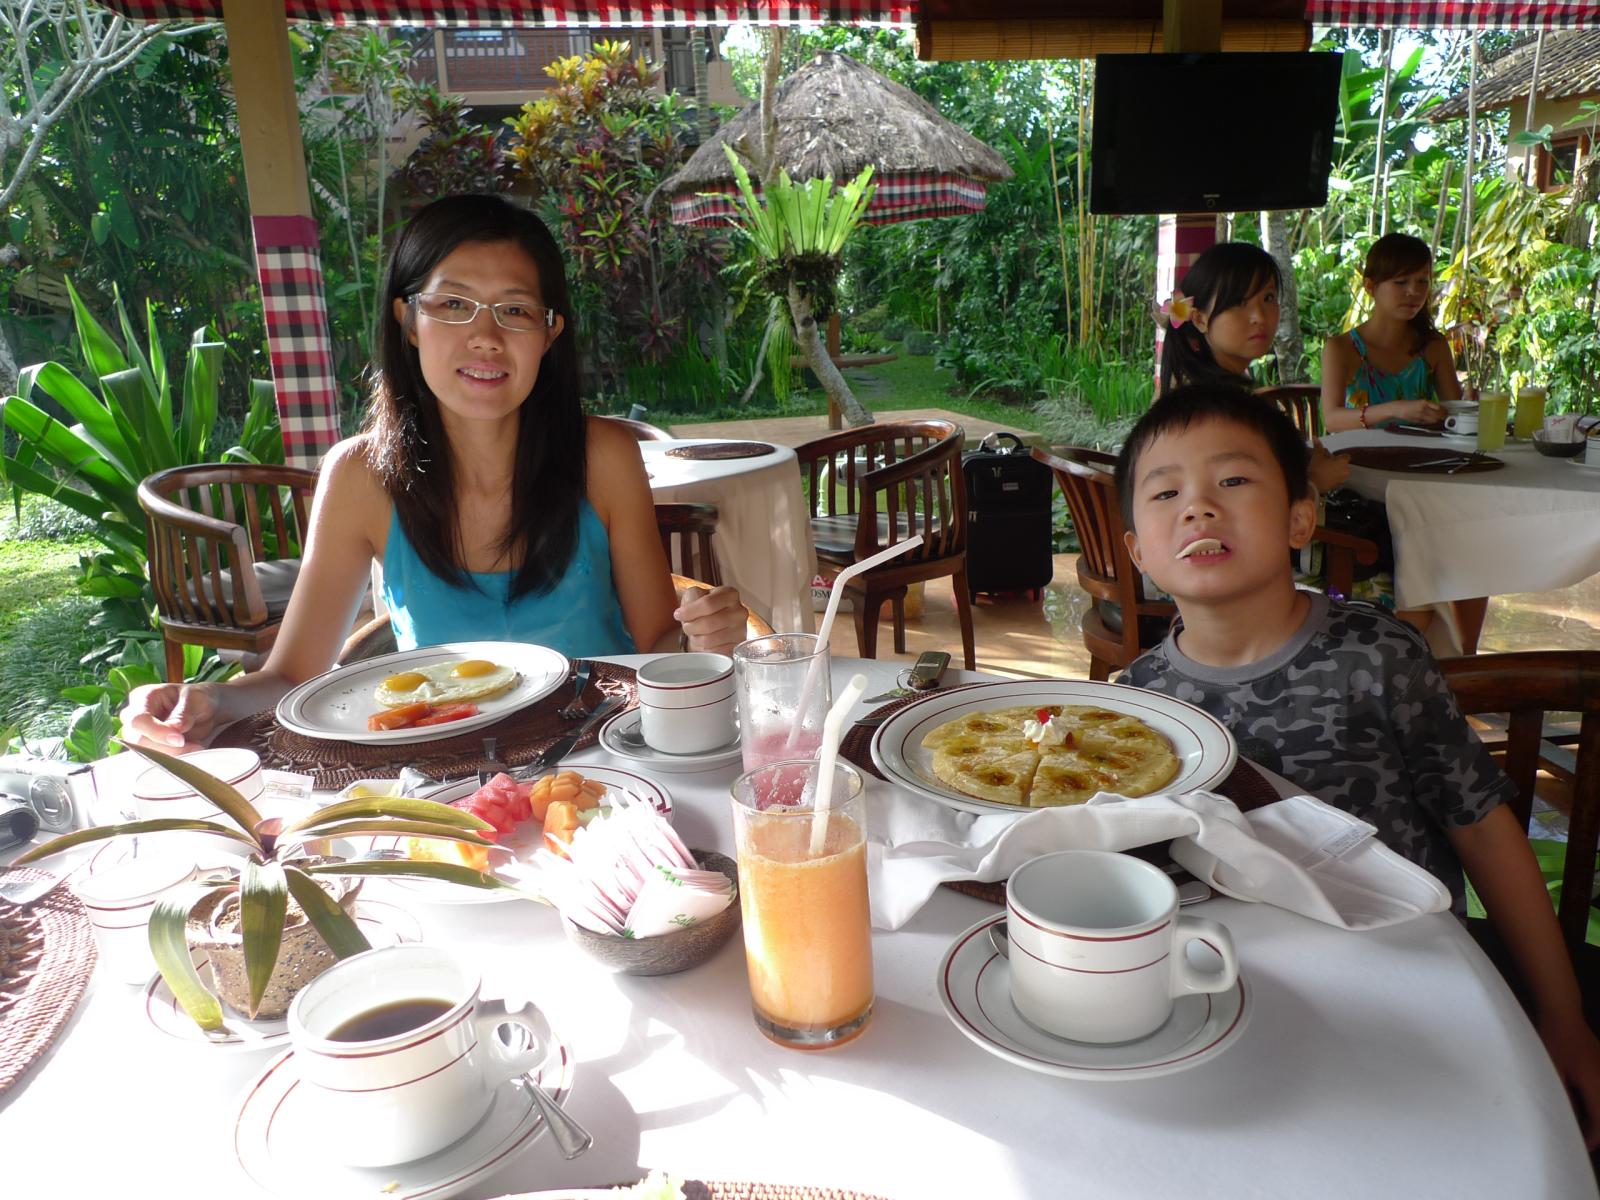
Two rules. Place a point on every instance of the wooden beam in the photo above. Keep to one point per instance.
(1080, 37)
(269, 118)
(1191, 26)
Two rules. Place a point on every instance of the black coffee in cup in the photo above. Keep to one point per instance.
(387, 1020)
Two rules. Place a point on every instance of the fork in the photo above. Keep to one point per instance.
(577, 709)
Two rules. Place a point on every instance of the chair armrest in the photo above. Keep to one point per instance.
(186, 519)
(1364, 549)
(370, 640)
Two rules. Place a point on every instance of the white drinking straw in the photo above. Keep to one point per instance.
(832, 730)
(826, 628)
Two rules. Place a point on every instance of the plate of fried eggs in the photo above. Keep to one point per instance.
(496, 677)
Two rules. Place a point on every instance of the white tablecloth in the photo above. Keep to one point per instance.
(1532, 526)
(763, 538)
(1388, 1063)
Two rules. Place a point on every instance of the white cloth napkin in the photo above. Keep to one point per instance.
(1300, 854)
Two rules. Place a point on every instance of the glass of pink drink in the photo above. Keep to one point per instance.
(807, 927)
(780, 713)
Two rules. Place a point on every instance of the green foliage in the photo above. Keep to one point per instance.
(453, 156)
(594, 147)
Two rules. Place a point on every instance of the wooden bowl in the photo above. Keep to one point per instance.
(666, 953)
(1557, 449)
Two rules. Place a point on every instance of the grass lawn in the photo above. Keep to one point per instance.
(44, 631)
(907, 382)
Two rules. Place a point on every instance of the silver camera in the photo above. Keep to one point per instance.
(59, 793)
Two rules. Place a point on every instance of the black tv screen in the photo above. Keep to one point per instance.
(1176, 133)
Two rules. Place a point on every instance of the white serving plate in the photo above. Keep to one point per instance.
(1205, 749)
(336, 705)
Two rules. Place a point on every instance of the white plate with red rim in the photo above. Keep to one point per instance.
(383, 924)
(511, 861)
(1205, 748)
(336, 705)
(281, 1147)
(975, 988)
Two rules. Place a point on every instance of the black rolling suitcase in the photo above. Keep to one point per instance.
(1008, 513)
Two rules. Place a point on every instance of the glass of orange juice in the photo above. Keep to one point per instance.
(807, 929)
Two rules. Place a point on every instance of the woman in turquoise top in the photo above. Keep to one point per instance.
(498, 510)
(1394, 366)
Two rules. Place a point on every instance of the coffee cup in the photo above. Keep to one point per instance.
(1465, 421)
(686, 703)
(400, 1056)
(1098, 952)
(119, 898)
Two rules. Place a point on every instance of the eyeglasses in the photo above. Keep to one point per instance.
(515, 315)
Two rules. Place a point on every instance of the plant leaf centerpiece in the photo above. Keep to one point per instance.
(276, 871)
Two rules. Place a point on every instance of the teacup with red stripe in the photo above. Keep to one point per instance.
(1098, 952)
(392, 1093)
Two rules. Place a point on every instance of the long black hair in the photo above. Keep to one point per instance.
(408, 445)
(1397, 254)
(1224, 277)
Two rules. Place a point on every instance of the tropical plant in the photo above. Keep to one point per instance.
(271, 875)
(453, 156)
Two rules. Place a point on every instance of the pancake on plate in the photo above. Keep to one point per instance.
(987, 755)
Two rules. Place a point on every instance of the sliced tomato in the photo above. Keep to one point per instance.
(398, 718)
(443, 714)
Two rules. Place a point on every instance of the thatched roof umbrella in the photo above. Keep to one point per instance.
(834, 117)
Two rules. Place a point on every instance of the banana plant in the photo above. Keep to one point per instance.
(270, 875)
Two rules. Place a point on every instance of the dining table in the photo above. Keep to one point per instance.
(763, 539)
(1531, 526)
(1390, 1062)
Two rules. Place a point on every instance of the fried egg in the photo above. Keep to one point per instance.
(451, 682)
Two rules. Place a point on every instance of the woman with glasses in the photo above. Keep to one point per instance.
(496, 508)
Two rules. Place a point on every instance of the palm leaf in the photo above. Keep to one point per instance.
(402, 807)
(99, 349)
(327, 917)
(97, 429)
(158, 363)
(235, 806)
(169, 944)
(445, 872)
(130, 828)
(200, 393)
(263, 904)
(375, 828)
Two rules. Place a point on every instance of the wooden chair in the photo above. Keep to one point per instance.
(871, 487)
(225, 542)
(1302, 402)
(1105, 570)
(1526, 686)
(642, 431)
(686, 531)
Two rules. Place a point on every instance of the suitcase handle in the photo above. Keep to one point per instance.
(1018, 446)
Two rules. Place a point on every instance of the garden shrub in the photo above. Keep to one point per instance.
(918, 344)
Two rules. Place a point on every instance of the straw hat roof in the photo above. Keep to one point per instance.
(834, 117)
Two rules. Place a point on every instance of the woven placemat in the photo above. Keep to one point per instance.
(1421, 460)
(717, 450)
(519, 739)
(46, 956)
(696, 1189)
(1245, 786)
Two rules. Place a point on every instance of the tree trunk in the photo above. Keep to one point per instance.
(809, 338)
(8, 365)
(1380, 177)
(1289, 344)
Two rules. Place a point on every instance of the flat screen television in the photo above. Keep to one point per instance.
(1177, 133)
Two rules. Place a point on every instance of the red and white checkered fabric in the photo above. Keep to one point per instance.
(900, 197)
(549, 14)
(289, 264)
(1459, 14)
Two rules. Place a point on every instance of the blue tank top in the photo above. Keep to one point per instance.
(1414, 381)
(580, 616)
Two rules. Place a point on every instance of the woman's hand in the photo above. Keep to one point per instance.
(1421, 412)
(172, 717)
(1327, 471)
(713, 620)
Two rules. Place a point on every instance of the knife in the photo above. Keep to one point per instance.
(563, 746)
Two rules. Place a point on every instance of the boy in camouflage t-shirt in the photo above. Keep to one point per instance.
(1342, 700)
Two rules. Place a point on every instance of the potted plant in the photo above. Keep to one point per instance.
(283, 918)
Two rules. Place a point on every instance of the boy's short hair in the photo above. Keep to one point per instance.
(1186, 406)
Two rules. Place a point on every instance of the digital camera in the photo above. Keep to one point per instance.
(59, 793)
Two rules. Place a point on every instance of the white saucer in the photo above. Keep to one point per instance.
(383, 924)
(611, 742)
(279, 1147)
(974, 987)
(1586, 466)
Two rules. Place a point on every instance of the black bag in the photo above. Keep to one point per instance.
(1009, 543)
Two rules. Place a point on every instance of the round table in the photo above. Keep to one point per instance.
(1393, 1062)
(763, 538)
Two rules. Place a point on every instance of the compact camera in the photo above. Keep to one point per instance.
(59, 793)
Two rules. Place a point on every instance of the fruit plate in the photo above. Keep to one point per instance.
(336, 705)
(1205, 749)
(512, 860)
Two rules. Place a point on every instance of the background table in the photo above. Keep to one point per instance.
(1388, 1063)
(763, 538)
(1530, 527)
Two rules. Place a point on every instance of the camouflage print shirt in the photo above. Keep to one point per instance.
(1354, 710)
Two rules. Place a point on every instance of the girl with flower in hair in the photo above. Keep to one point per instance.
(1394, 366)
